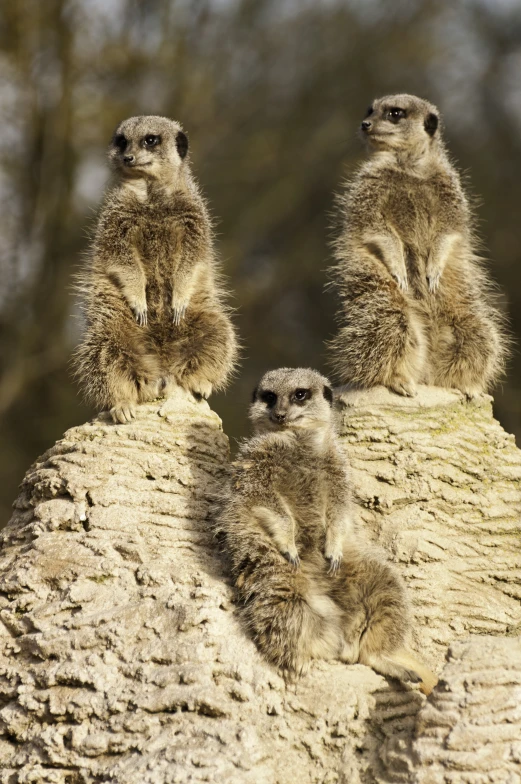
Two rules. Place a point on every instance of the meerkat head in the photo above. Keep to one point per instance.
(291, 399)
(149, 147)
(402, 123)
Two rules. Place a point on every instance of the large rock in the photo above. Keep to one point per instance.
(120, 655)
(438, 483)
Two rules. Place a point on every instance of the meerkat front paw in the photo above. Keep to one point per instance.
(292, 557)
(401, 279)
(179, 311)
(334, 562)
(403, 385)
(200, 389)
(433, 279)
(122, 413)
(140, 311)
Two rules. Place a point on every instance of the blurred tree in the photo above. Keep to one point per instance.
(271, 93)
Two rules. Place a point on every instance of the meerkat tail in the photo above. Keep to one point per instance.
(407, 659)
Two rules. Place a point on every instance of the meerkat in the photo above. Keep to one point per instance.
(152, 298)
(416, 303)
(307, 584)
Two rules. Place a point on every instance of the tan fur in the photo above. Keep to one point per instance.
(307, 583)
(416, 303)
(152, 300)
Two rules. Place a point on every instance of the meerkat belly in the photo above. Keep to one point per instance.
(307, 503)
(412, 213)
(157, 251)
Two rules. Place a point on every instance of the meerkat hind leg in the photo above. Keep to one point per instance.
(353, 627)
(465, 354)
(128, 386)
(386, 666)
(125, 394)
(410, 368)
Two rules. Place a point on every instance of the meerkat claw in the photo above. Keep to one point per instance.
(179, 314)
(403, 284)
(471, 394)
(123, 413)
(201, 390)
(433, 281)
(413, 676)
(141, 316)
(334, 564)
(403, 386)
(294, 560)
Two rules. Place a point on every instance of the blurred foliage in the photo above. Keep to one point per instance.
(271, 93)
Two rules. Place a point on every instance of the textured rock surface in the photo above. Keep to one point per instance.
(470, 730)
(120, 655)
(438, 482)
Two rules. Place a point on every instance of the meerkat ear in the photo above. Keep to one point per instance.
(181, 142)
(328, 394)
(431, 123)
(254, 395)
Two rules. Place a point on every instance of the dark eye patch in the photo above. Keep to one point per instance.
(181, 142)
(431, 123)
(120, 142)
(369, 112)
(328, 394)
(395, 114)
(301, 395)
(270, 398)
(151, 140)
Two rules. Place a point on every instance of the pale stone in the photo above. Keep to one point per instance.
(121, 658)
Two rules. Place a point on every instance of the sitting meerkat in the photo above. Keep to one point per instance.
(152, 300)
(416, 302)
(307, 584)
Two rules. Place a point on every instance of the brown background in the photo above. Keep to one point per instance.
(271, 94)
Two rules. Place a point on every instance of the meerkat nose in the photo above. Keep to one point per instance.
(366, 124)
(280, 417)
(128, 159)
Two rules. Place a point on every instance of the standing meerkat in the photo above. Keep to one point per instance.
(152, 300)
(416, 303)
(307, 584)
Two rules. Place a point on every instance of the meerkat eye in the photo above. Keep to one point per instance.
(120, 142)
(370, 111)
(270, 398)
(395, 114)
(151, 140)
(300, 395)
